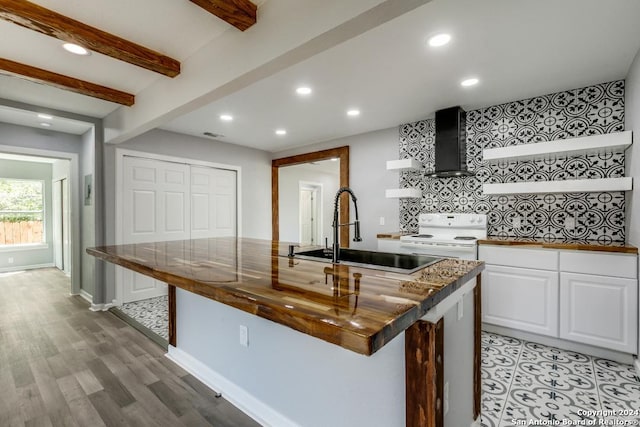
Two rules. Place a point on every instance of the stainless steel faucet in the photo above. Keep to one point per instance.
(336, 225)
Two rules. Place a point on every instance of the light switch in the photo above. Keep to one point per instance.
(381, 220)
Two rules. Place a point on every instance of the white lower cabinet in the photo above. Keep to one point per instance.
(587, 297)
(521, 298)
(599, 310)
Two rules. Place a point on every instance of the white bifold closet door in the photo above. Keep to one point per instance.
(165, 201)
(213, 202)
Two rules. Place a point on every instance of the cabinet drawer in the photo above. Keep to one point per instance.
(510, 256)
(602, 264)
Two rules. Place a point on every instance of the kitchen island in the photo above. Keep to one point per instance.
(356, 373)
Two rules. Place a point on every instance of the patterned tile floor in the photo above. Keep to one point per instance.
(525, 383)
(152, 313)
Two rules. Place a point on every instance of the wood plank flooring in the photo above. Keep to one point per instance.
(63, 365)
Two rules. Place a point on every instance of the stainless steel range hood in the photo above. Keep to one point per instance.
(451, 143)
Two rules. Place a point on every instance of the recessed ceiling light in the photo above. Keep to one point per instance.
(226, 117)
(281, 132)
(76, 49)
(45, 116)
(45, 124)
(353, 113)
(439, 40)
(303, 90)
(469, 82)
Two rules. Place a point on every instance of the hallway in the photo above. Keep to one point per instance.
(63, 365)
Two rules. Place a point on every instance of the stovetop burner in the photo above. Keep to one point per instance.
(464, 238)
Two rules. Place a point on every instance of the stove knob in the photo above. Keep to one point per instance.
(479, 220)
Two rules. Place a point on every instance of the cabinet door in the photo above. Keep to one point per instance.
(599, 310)
(521, 298)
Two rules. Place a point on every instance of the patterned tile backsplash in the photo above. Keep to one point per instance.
(587, 111)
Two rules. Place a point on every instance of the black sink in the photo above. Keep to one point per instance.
(400, 263)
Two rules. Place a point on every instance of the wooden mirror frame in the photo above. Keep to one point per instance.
(343, 154)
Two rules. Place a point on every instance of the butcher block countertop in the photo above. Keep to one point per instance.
(584, 245)
(357, 308)
(394, 235)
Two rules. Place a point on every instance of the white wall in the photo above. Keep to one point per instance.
(368, 178)
(632, 160)
(60, 169)
(289, 178)
(255, 175)
(32, 257)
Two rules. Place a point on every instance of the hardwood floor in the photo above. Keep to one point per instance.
(63, 365)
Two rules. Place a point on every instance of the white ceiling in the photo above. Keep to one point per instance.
(517, 48)
(31, 119)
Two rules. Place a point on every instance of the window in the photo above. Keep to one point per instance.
(21, 211)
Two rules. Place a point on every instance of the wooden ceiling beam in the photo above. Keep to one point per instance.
(239, 13)
(53, 24)
(38, 75)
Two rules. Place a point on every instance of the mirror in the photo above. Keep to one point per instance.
(303, 188)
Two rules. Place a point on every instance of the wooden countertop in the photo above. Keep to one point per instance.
(580, 245)
(357, 308)
(394, 235)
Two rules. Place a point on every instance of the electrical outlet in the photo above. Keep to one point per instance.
(570, 223)
(445, 407)
(10, 260)
(516, 222)
(381, 220)
(244, 336)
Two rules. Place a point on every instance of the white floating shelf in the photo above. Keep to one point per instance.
(403, 193)
(567, 186)
(404, 164)
(596, 144)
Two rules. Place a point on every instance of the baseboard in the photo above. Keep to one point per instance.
(637, 365)
(590, 350)
(101, 307)
(25, 267)
(239, 397)
(86, 295)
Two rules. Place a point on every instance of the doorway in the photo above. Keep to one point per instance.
(310, 213)
(58, 226)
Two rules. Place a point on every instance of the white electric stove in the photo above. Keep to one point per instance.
(450, 235)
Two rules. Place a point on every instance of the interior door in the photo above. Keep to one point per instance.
(306, 217)
(155, 208)
(57, 225)
(213, 202)
(66, 227)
